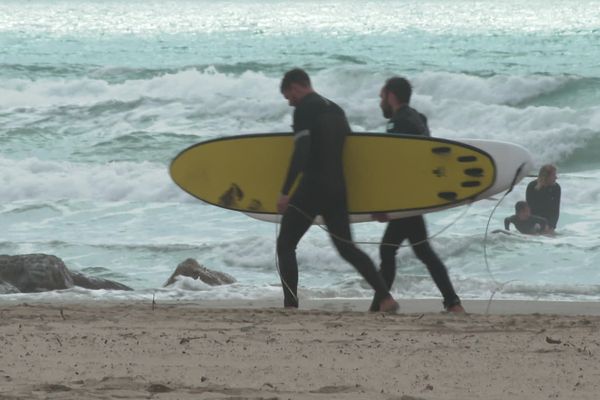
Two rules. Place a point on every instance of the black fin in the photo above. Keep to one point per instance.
(470, 184)
(450, 196)
(441, 150)
(475, 172)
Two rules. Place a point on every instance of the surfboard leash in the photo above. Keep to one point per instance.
(499, 286)
(324, 228)
(277, 265)
(333, 235)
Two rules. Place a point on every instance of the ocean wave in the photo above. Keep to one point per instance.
(495, 89)
(261, 81)
(118, 181)
(205, 85)
(129, 116)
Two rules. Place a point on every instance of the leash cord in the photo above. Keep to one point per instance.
(498, 286)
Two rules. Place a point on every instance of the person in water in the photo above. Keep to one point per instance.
(543, 196)
(525, 222)
(403, 119)
(320, 130)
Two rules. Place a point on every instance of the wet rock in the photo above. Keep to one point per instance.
(35, 272)
(94, 283)
(30, 273)
(192, 269)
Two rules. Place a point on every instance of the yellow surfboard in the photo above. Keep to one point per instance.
(384, 173)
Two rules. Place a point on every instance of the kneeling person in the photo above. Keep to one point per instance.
(525, 222)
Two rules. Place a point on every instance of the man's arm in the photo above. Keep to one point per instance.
(529, 193)
(555, 208)
(299, 159)
(507, 223)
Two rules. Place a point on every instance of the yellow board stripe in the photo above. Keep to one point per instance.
(384, 173)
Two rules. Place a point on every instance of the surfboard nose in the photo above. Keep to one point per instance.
(513, 163)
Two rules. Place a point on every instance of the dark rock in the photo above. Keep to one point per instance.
(35, 272)
(192, 269)
(7, 288)
(94, 283)
(29, 273)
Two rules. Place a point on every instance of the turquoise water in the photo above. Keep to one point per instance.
(96, 97)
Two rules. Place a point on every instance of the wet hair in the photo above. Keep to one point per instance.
(400, 87)
(296, 75)
(543, 175)
(520, 206)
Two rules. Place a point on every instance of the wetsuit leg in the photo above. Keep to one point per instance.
(392, 238)
(338, 224)
(294, 225)
(437, 269)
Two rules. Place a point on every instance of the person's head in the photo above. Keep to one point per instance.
(395, 93)
(522, 210)
(295, 85)
(546, 176)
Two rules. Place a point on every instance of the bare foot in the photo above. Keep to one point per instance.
(389, 305)
(457, 308)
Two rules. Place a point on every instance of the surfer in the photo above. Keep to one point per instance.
(320, 129)
(525, 222)
(403, 119)
(543, 196)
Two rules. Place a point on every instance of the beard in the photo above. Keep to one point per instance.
(386, 110)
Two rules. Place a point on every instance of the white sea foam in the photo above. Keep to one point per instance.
(32, 178)
(210, 102)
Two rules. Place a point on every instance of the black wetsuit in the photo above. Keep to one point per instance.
(408, 121)
(544, 202)
(320, 130)
(529, 226)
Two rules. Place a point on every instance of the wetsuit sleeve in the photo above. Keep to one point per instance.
(301, 148)
(426, 131)
(507, 222)
(409, 123)
(529, 192)
(555, 207)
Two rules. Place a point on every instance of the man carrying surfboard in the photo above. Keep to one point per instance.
(320, 129)
(403, 119)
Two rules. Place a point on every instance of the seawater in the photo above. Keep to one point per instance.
(96, 98)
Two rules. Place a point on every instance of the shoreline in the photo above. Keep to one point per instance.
(407, 306)
(412, 306)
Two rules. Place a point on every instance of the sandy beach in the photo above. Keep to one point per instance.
(327, 350)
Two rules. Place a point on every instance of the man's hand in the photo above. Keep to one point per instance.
(282, 203)
(381, 217)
